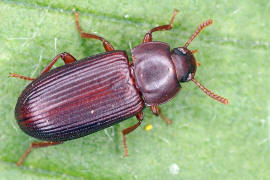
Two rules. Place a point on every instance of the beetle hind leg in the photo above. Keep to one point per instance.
(148, 36)
(106, 44)
(129, 130)
(66, 57)
(21, 77)
(35, 145)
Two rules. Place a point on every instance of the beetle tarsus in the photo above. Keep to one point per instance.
(35, 145)
(164, 118)
(20, 77)
(148, 36)
(129, 130)
(106, 44)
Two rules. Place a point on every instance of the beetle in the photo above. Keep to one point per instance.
(88, 95)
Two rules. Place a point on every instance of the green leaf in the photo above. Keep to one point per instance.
(207, 140)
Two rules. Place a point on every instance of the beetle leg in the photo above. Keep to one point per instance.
(67, 58)
(106, 44)
(157, 111)
(130, 129)
(148, 36)
(35, 145)
(21, 77)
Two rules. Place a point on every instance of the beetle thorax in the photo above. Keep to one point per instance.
(154, 72)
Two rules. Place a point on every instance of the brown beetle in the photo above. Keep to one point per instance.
(88, 95)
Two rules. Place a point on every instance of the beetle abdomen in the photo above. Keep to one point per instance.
(80, 98)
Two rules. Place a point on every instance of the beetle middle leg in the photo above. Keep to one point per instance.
(35, 145)
(148, 36)
(106, 44)
(129, 130)
(157, 111)
(66, 57)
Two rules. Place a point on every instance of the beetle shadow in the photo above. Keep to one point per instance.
(116, 138)
(112, 134)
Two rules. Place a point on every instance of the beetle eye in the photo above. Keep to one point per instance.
(182, 50)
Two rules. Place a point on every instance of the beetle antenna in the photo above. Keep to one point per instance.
(199, 29)
(210, 93)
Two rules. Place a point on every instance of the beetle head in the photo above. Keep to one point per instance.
(183, 59)
(185, 64)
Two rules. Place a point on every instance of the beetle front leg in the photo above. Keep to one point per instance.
(130, 129)
(148, 36)
(157, 111)
(66, 57)
(107, 46)
(35, 145)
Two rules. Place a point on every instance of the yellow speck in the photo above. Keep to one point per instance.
(148, 127)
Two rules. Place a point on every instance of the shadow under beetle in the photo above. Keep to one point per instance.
(96, 92)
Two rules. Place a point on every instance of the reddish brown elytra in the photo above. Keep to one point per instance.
(85, 96)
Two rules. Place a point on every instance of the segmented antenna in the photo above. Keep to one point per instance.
(199, 29)
(210, 93)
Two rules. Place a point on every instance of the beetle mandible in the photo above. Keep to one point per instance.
(85, 96)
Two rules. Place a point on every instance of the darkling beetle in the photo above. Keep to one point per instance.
(85, 96)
